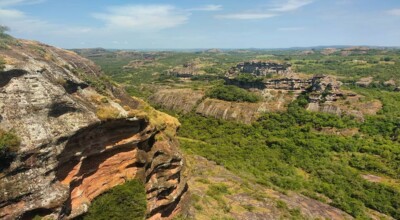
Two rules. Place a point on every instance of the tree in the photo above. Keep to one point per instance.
(4, 29)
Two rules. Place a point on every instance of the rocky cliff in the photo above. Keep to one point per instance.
(80, 136)
(324, 93)
(187, 100)
(260, 68)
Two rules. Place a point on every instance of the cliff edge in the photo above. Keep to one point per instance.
(80, 135)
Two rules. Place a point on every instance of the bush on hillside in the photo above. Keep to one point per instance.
(9, 144)
(232, 93)
(127, 201)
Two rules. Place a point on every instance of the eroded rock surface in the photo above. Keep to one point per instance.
(79, 138)
(245, 199)
(260, 68)
(179, 100)
(187, 100)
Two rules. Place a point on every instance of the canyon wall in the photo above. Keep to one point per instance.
(324, 95)
(195, 101)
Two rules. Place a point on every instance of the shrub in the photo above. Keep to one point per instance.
(232, 93)
(107, 112)
(127, 201)
(2, 62)
(9, 144)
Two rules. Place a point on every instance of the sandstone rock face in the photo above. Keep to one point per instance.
(242, 112)
(324, 94)
(261, 68)
(344, 103)
(179, 100)
(187, 100)
(68, 156)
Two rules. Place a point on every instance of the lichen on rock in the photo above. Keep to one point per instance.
(78, 141)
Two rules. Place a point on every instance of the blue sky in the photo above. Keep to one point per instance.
(147, 24)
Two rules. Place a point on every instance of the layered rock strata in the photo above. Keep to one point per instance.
(80, 136)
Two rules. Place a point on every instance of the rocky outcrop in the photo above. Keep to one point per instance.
(187, 100)
(179, 100)
(80, 136)
(288, 84)
(344, 103)
(261, 68)
(241, 112)
(189, 69)
(390, 82)
(365, 82)
(324, 95)
(244, 193)
(329, 51)
(354, 51)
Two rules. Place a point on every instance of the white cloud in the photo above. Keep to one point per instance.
(143, 17)
(8, 3)
(10, 14)
(17, 20)
(395, 12)
(207, 8)
(290, 5)
(279, 7)
(247, 16)
(291, 29)
(23, 24)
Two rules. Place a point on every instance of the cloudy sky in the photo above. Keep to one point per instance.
(146, 24)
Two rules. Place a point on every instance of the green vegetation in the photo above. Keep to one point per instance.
(216, 191)
(112, 63)
(248, 78)
(107, 112)
(294, 214)
(9, 144)
(352, 67)
(2, 62)
(290, 151)
(232, 93)
(274, 150)
(3, 29)
(98, 83)
(127, 201)
(5, 39)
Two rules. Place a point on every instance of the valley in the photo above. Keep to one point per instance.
(302, 124)
(200, 110)
(260, 139)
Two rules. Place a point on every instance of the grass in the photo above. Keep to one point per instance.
(159, 120)
(107, 112)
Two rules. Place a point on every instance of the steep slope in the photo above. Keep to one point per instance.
(218, 192)
(80, 136)
(187, 100)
